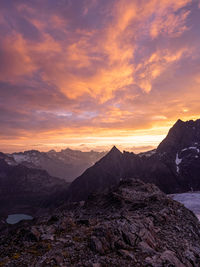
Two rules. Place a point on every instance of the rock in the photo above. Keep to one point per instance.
(53, 219)
(127, 254)
(117, 233)
(170, 258)
(96, 245)
(146, 248)
(47, 237)
(35, 232)
(96, 265)
(83, 222)
(148, 237)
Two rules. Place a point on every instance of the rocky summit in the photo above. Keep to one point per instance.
(132, 224)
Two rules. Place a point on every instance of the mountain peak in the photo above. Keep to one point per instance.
(188, 123)
(183, 134)
(179, 122)
(114, 151)
(113, 155)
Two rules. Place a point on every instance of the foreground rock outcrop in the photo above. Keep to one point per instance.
(133, 224)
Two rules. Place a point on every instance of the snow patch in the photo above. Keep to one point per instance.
(10, 162)
(177, 161)
(148, 153)
(20, 158)
(191, 147)
(195, 148)
(190, 201)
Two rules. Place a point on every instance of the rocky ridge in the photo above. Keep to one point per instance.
(133, 224)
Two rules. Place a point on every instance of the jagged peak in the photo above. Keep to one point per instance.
(182, 134)
(51, 151)
(178, 122)
(114, 150)
(183, 125)
(28, 152)
(114, 153)
(181, 122)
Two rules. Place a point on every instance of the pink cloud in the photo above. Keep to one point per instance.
(100, 67)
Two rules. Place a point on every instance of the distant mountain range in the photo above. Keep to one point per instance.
(66, 164)
(174, 166)
(29, 181)
(25, 184)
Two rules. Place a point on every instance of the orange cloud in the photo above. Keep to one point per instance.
(158, 63)
(62, 64)
(15, 59)
(119, 72)
(169, 24)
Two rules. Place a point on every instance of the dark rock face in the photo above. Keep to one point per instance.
(26, 189)
(134, 224)
(174, 166)
(103, 174)
(181, 135)
(66, 164)
(180, 150)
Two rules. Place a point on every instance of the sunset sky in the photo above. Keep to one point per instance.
(88, 74)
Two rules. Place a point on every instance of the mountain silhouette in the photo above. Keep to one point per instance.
(174, 166)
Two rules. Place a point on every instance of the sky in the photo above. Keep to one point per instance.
(89, 74)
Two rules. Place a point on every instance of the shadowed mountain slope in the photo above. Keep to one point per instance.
(25, 189)
(174, 167)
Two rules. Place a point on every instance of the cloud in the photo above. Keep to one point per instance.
(101, 69)
(14, 58)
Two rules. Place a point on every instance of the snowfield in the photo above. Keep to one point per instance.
(190, 201)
